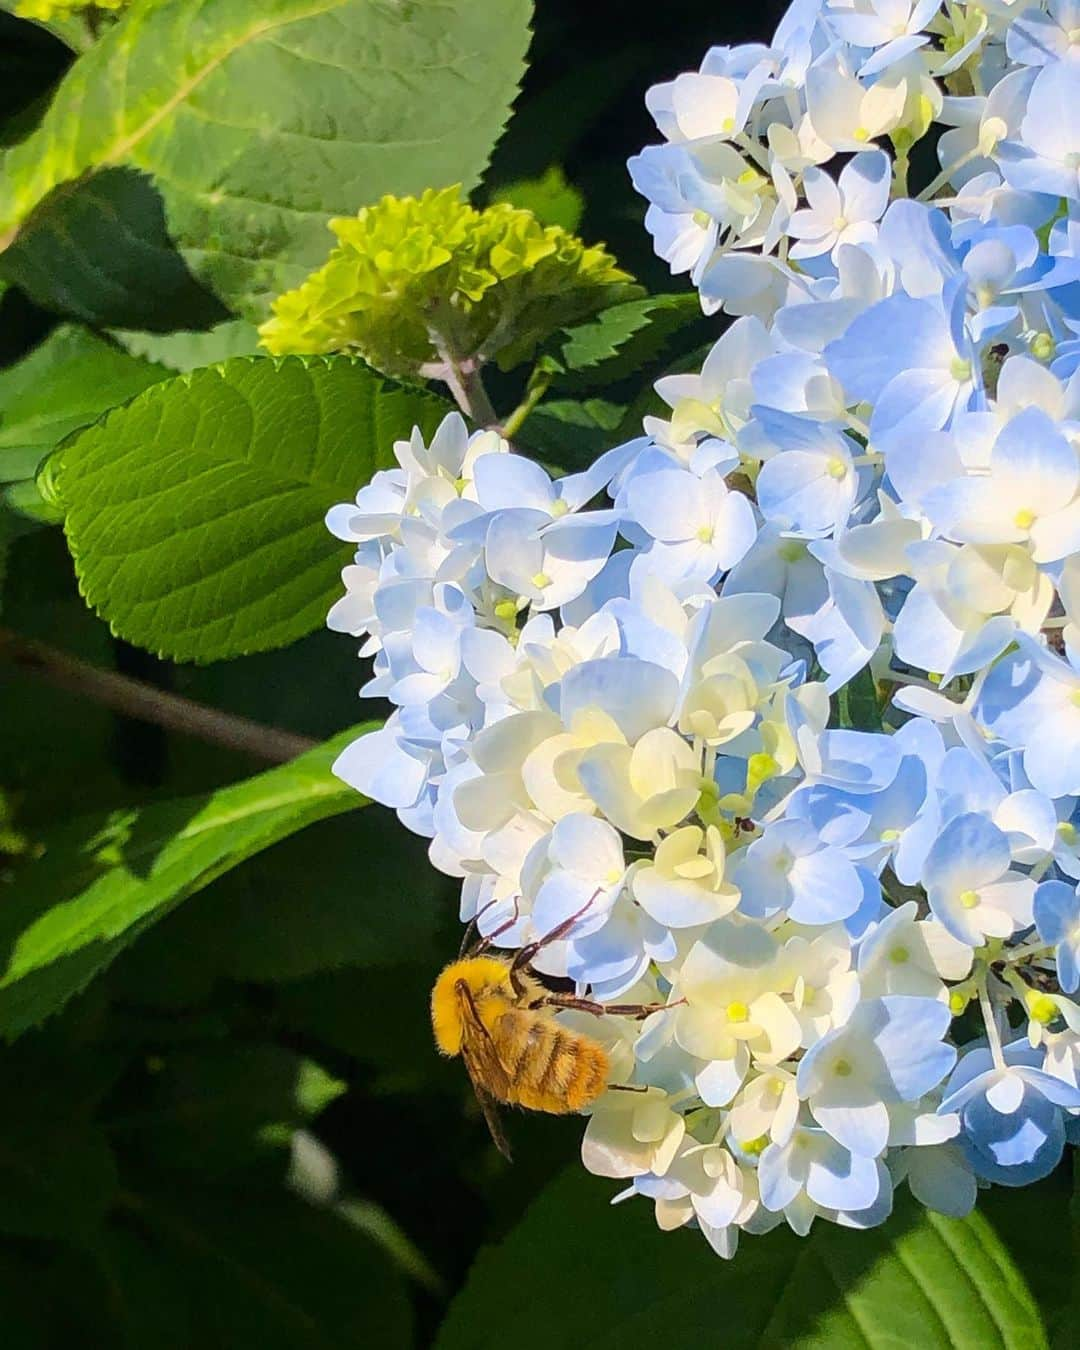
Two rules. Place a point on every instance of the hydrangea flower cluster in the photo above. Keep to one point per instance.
(866, 942)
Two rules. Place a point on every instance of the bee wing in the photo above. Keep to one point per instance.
(486, 1073)
(490, 1110)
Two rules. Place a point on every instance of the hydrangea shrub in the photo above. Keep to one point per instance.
(781, 698)
(724, 626)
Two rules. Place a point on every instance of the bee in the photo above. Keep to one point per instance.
(499, 1017)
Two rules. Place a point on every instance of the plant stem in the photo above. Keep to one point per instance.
(993, 1035)
(478, 405)
(146, 703)
(539, 384)
(947, 172)
(463, 379)
(1036, 948)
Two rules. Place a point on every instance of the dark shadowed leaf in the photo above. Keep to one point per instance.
(65, 383)
(102, 254)
(104, 879)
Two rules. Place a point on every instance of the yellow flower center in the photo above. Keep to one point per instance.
(1041, 1009)
(842, 1068)
(737, 1012)
(960, 368)
(969, 899)
(898, 955)
(540, 580)
(835, 467)
(1024, 518)
(755, 1147)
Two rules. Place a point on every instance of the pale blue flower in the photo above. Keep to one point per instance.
(1057, 917)
(1038, 38)
(790, 868)
(917, 384)
(970, 885)
(1046, 157)
(811, 484)
(1012, 1118)
(814, 1163)
(1031, 700)
(890, 1050)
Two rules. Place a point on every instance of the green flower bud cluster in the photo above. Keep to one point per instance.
(415, 282)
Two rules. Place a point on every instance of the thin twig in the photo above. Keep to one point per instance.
(146, 703)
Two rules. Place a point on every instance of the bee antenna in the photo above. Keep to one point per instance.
(470, 928)
(486, 942)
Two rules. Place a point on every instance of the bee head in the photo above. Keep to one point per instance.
(482, 976)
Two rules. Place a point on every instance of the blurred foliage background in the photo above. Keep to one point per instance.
(241, 1135)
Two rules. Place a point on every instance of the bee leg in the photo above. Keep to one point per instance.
(628, 1087)
(527, 953)
(638, 1010)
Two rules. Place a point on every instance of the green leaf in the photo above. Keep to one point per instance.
(64, 384)
(940, 1284)
(104, 880)
(259, 123)
(570, 433)
(28, 1310)
(355, 892)
(195, 514)
(374, 1221)
(57, 1177)
(262, 1269)
(206, 1106)
(1024, 1217)
(140, 1302)
(101, 253)
(551, 199)
(26, 500)
(857, 705)
(624, 337)
(57, 1172)
(184, 351)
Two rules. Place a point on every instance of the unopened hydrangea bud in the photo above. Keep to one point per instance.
(415, 281)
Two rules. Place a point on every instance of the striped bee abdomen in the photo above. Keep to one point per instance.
(550, 1067)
